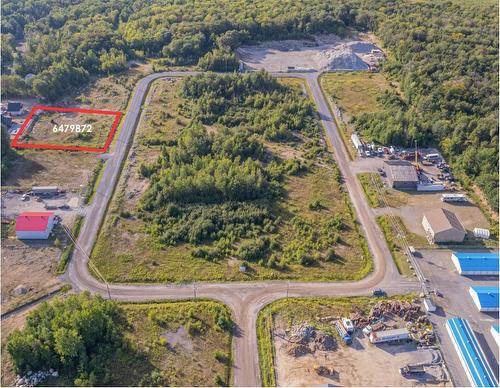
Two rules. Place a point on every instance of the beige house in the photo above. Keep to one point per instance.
(442, 225)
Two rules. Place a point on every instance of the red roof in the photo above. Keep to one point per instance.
(33, 221)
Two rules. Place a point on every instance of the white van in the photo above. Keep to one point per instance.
(432, 157)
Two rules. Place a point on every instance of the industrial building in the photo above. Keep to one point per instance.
(476, 263)
(442, 225)
(45, 190)
(495, 332)
(485, 297)
(470, 353)
(34, 225)
(401, 174)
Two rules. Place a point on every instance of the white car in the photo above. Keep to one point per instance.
(349, 326)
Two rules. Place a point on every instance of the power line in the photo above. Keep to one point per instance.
(401, 234)
(91, 265)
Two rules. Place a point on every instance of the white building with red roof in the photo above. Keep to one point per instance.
(34, 225)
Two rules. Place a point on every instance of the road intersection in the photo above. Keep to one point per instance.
(245, 299)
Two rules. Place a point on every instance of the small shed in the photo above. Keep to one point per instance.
(34, 225)
(442, 225)
(15, 107)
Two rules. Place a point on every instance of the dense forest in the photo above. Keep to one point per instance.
(76, 336)
(444, 54)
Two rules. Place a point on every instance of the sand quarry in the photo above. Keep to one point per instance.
(322, 53)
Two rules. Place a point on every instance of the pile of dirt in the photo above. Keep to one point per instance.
(325, 342)
(297, 350)
(343, 59)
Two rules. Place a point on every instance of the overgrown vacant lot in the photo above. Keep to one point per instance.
(154, 344)
(355, 92)
(68, 129)
(69, 169)
(212, 185)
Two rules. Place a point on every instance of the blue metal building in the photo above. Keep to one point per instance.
(476, 263)
(470, 353)
(486, 298)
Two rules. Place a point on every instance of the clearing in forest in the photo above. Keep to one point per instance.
(237, 188)
(72, 129)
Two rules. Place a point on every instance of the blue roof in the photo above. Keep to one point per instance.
(496, 328)
(477, 261)
(471, 353)
(487, 295)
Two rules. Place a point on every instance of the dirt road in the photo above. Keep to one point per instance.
(245, 299)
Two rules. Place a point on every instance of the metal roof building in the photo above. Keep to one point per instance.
(401, 174)
(442, 225)
(495, 332)
(470, 353)
(34, 225)
(485, 297)
(476, 263)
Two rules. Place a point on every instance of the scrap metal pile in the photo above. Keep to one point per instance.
(417, 322)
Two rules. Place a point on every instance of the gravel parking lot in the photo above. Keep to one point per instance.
(456, 302)
(13, 205)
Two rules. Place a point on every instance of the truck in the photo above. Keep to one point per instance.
(348, 325)
(412, 369)
(394, 335)
(343, 333)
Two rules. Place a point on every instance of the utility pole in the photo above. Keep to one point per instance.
(90, 264)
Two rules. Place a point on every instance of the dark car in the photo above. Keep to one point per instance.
(378, 292)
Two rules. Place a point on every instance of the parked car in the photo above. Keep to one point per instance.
(378, 292)
(25, 197)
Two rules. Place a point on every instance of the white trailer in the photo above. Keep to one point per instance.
(430, 187)
(481, 233)
(357, 142)
(454, 198)
(389, 336)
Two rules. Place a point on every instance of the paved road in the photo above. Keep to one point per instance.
(248, 298)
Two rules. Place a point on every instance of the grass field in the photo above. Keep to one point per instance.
(126, 253)
(355, 92)
(296, 310)
(68, 129)
(393, 198)
(394, 241)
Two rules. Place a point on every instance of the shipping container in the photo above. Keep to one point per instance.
(389, 336)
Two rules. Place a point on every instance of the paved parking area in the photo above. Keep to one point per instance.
(439, 269)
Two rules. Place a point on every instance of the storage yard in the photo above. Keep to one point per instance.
(324, 53)
(453, 299)
(391, 343)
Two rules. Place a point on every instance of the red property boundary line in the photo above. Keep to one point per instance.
(37, 108)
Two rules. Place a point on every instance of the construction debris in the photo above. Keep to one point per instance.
(304, 338)
(324, 371)
(32, 379)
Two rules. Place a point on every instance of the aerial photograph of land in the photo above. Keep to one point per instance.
(218, 193)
